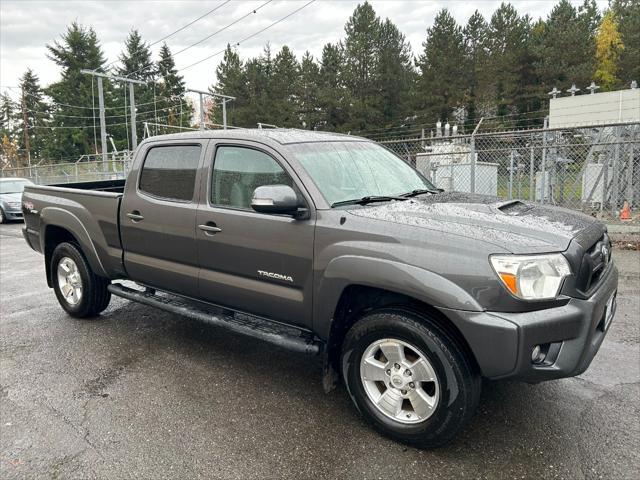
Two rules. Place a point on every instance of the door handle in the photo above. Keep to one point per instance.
(209, 228)
(135, 216)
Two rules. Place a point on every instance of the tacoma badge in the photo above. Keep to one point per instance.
(276, 276)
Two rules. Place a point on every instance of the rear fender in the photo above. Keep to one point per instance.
(54, 216)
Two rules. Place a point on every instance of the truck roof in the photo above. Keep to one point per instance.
(282, 136)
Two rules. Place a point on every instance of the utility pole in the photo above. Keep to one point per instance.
(201, 111)
(225, 99)
(103, 124)
(25, 130)
(132, 103)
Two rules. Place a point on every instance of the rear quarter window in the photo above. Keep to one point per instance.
(170, 171)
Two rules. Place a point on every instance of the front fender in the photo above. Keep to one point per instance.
(414, 282)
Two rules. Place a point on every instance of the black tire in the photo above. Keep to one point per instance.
(95, 296)
(3, 217)
(459, 381)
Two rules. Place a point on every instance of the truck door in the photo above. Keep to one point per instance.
(249, 261)
(157, 217)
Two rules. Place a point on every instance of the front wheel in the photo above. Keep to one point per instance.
(3, 217)
(409, 377)
(80, 292)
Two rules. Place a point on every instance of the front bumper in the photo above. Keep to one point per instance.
(503, 342)
(13, 214)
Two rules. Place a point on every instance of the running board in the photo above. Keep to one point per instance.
(275, 333)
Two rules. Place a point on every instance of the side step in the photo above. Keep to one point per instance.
(276, 333)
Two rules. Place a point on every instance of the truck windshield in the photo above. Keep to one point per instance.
(14, 186)
(345, 171)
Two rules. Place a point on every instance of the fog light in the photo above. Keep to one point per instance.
(538, 354)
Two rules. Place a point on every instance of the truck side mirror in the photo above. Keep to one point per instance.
(278, 199)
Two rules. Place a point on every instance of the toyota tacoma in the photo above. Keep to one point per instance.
(332, 245)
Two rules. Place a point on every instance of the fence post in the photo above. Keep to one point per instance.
(531, 172)
(543, 168)
(616, 176)
(604, 187)
(511, 158)
(472, 152)
(629, 195)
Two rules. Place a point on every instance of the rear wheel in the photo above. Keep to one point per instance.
(409, 377)
(3, 217)
(80, 292)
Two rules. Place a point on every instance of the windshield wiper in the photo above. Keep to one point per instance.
(367, 199)
(421, 191)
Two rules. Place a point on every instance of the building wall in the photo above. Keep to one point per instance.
(596, 109)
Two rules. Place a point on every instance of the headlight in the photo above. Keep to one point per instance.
(16, 205)
(532, 277)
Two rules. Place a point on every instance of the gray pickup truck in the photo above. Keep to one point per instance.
(331, 245)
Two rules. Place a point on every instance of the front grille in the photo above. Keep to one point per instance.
(595, 263)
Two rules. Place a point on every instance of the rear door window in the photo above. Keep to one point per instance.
(170, 171)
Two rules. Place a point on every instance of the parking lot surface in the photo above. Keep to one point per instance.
(140, 393)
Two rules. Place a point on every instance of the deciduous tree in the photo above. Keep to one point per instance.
(608, 48)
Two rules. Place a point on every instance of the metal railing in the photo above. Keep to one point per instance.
(593, 169)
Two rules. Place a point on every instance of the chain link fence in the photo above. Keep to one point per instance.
(87, 169)
(592, 169)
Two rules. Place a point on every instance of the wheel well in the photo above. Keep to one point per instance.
(356, 300)
(54, 236)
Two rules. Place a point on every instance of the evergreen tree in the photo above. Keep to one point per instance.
(136, 63)
(509, 57)
(442, 67)
(32, 135)
(478, 78)
(308, 93)
(283, 88)
(171, 103)
(361, 66)
(333, 97)
(72, 131)
(7, 115)
(136, 59)
(608, 47)
(9, 148)
(565, 53)
(231, 80)
(395, 75)
(627, 14)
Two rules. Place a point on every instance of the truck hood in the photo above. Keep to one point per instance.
(515, 226)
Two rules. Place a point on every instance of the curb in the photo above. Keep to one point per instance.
(620, 233)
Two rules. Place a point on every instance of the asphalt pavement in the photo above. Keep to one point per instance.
(139, 393)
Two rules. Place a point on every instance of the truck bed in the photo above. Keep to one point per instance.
(116, 186)
(87, 211)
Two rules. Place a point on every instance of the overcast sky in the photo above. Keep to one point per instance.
(27, 26)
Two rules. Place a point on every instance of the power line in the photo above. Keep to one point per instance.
(250, 36)
(81, 127)
(175, 31)
(53, 103)
(223, 28)
(88, 117)
(208, 36)
(523, 117)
